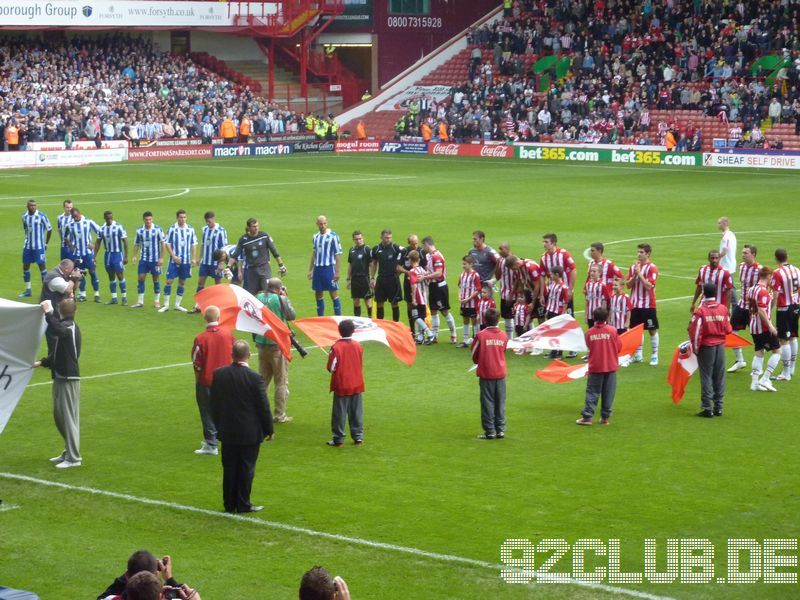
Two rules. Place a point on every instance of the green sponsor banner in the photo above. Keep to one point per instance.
(587, 154)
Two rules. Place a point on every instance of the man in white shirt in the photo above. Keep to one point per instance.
(727, 253)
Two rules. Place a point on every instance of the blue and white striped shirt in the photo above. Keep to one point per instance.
(326, 246)
(150, 241)
(213, 239)
(112, 236)
(79, 234)
(36, 227)
(63, 223)
(181, 239)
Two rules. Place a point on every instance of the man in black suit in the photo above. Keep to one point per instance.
(241, 412)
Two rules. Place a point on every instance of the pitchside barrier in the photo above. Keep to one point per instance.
(744, 158)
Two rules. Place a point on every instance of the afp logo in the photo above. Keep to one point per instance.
(393, 147)
(87, 11)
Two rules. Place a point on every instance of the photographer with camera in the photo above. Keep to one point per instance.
(139, 562)
(272, 362)
(59, 283)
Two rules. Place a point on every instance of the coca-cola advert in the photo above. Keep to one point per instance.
(484, 151)
(169, 152)
(358, 146)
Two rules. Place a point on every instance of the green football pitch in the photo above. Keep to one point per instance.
(422, 510)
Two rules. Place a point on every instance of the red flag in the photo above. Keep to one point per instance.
(631, 340)
(561, 372)
(239, 309)
(733, 340)
(684, 363)
(324, 331)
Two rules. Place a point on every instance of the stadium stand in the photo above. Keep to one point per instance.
(602, 68)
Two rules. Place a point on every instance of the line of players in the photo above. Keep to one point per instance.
(81, 238)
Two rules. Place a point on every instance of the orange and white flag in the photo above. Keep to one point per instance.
(559, 333)
(684, 364)
(324, 331)
(240, 310)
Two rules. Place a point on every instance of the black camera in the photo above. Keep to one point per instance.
(171, 592)
(297, 345)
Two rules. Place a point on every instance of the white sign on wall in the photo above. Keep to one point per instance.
(402, 100)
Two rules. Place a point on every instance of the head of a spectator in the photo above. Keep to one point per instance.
(241, 351)
(491, 317)
(478, 239)
(144, 585)
(346, 328)
(211, 314)
(600, 315)
(317, 583)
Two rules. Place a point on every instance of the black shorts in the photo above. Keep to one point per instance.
(764, 341)
(740, 318)
(387, 289)
(590, 323)
(507, 309)
(786, 323)
(359, 288)
(519, 330)
(469, 313)
(439, 296)
(621, 331)
(645, 316)
(419, 311)
(407, 297)
(550, 315)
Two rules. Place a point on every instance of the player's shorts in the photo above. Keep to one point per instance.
(786, 322)
(519, 330)
(765, 341)
(322, 279)
(181, 271)
(646, 317)
(113, 262)
(387, 289)
(30, 256)
(469, 312)
(439, 296)
(150, 267)
(550, 315)
(740, 318)
(359, 288)
(209, 271)
(507, 309)
(84, 261)
(419, 311)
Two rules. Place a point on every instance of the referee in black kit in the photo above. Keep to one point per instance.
(385, 260)
(254, 247)
(358, 261)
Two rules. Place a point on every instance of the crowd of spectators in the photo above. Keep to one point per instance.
(119, 87)
(625, 57)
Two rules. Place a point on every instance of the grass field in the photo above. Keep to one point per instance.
(422, 509)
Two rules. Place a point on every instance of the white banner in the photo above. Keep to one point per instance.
(61, 158)
(128, 13)
(751, 161)
(562, 332)
(404, 98)
(78, 145)
(21, 330)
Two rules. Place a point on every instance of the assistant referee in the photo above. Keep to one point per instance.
(385, 262)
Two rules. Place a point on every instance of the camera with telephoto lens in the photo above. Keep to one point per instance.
(297, 345)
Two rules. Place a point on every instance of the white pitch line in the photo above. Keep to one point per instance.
(8, 507)
(450, 558)
(216, 166)
(12, 176)
(214, 187)
(114, 374)
(115, 202)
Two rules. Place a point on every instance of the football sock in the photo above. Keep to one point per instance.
(396, 314)
(178, 298)
(423, 327)
(113, 286)
(793, 360)
(654, 344)
(771, 364)
(786, 358)
(320, 307)
(509, 328)
(140, 297)
(758, 364)
(337, 306)
(466, 332)
(26, 277)
(739, 354)
(435, 322)
(379, 311)
(123, 287)
(451, 324)
(82, 286)
(140, 289)
(357, 310)
(43, 272)
(95, 282)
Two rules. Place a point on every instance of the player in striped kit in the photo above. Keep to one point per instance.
(620, 307)
(557, 301)
(323, 271)
(765, 335)
(81, 246)
(596, 292)
(64, 219)
(227, 266)
(417, 276)
(212, 238)
(557, 257)
(740, 315)
(115, 240)
(642, 277)
(507, 273)
(608, 270)
(148, 249)
(485, 302)
(438, 293)
(713, 273)
(181, 244)
(37, 230)
(469, 288)
(522, 315)
(786, 285)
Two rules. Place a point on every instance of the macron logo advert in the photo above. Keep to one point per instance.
(241, 150)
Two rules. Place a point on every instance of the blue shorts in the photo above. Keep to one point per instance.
(209, 271)
(84, 261)
(322, 280)
(182, 271)
(30, 256)
(113, 262)
(151, 267)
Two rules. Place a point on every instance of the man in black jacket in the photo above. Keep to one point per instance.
(62, 360)
(240, 410)
(141, 560)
